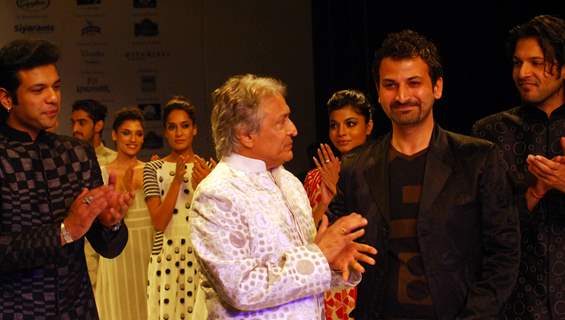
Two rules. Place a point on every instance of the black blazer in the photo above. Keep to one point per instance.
(467, 224)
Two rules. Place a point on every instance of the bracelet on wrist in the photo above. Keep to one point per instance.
(116, 227)
(67, 238)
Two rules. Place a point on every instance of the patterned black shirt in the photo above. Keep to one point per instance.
(39, 278)
(540, 290)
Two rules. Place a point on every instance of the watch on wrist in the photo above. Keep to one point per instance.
(66, 234)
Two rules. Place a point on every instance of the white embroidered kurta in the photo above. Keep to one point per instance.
(253, 234)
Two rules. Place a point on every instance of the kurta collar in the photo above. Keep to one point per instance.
(536, 113)
(17, 135)
(246, 164)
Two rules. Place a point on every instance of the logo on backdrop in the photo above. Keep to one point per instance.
(144, 4)
(151, 111)
(32, 5)
(148, 83)
(91, 56)
(90, 29)
(34, 28)
(146, 28)
(147, 54)
(93, 85)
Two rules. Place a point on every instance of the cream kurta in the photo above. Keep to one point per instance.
(253, 233)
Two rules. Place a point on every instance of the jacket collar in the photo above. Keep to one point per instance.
(438, 168)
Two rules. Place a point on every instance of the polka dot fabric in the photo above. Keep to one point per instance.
(172, 272)
(253, 233)
(540, 288)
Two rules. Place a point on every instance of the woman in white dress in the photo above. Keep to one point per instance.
(120, 292)
(168, 184)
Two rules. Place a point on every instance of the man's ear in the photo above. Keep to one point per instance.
(99, 126)
(246, 139)
(438, 88)
(6, 99)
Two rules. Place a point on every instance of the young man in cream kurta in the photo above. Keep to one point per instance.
(252, 225)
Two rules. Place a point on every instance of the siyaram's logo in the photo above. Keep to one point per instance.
(32, 5)
(34, 28)
(93, 85)
(90, 29)
(146, 28)
(144, 55)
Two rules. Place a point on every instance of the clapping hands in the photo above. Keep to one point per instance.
(328, 166)
(337, 243)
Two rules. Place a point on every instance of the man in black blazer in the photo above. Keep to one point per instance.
(438, 203)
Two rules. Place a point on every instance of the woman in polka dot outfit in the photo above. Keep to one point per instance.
(168, 185)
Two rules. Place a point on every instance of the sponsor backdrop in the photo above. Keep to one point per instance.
(141, 52)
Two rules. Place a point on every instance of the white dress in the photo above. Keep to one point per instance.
(120, 291)
(172, 272)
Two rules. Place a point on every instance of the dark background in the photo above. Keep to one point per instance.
(470, 36)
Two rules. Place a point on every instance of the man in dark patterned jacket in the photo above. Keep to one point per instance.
(50, 195)
(531, 137)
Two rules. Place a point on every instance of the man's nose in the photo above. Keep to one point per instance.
(52, 95)
(525, 70)
(402, 94)
(293, 132)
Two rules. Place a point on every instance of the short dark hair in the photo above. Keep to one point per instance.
(179, 103)
(550, 34)
(23, 54)
(354, 98)
(408, 44)
(95, 109)
(127, 114)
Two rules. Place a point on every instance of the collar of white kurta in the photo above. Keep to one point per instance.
(239, 162)
(279, 181)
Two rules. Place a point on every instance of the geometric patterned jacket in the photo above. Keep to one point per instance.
(39, 278)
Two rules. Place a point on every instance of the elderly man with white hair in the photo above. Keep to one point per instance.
(252, 225)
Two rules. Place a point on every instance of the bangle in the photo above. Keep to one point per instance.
(534, 194)
(67, 238)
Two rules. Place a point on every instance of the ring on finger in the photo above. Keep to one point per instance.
(87, 200)
(327, 160)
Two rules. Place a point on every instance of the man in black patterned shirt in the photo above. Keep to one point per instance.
(50, 195)
(531, 137)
